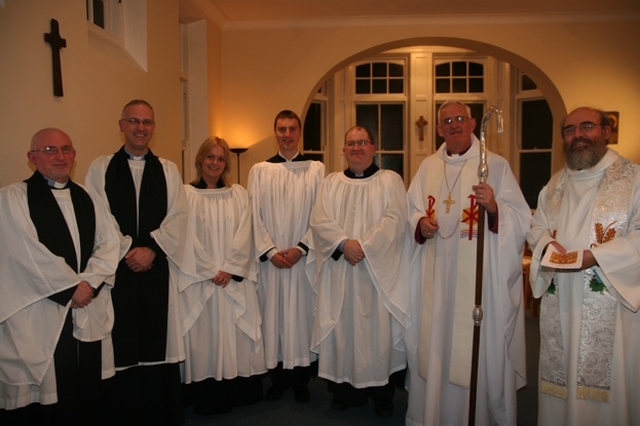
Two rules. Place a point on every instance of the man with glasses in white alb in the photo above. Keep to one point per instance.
(443, 215)
(589, 320)
(59, 246)
(358, 271)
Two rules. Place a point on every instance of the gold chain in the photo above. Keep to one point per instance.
(449, 200)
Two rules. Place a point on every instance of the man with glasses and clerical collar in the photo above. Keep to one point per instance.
(358, 270)
(589, 320)
(147, 199)
(443, 207)
(59, 245)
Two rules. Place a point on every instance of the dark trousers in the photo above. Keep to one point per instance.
(298, 378)
(212, 396)
(349, 395)
(78, 369)
(144, 395)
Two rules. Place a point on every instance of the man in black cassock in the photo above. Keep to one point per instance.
(146, 197)
(58, 247)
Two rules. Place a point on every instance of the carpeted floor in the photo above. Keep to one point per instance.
(288, 412)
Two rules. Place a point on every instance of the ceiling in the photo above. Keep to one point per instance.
(247, 12)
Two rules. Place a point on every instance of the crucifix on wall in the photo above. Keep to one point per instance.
(421, 124)
(57, 43)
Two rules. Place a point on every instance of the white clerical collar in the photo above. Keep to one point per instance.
(55, 184)
(142, 157)
(446, 151)
(288, 159)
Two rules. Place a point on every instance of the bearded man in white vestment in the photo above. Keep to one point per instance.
(443, 215)
(218, 296)
(282, 191)
(59, 245)
(358, 270)
(589, 321)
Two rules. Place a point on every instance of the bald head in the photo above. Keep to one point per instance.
(585, 132)
(52, 153)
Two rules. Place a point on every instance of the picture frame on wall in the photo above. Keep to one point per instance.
(614, 117)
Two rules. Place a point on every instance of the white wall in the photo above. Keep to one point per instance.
(251, 74)
(577, 62)
(97, 83)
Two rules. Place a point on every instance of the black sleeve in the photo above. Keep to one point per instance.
(63, 297)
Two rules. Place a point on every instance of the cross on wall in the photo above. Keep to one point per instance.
(57, 43)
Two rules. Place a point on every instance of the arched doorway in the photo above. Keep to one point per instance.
(508, 81)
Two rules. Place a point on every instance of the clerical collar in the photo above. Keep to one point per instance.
(369, 171)
(142, 157)
(457, 155)
(288, 159)
(55, 184)
(279, 158)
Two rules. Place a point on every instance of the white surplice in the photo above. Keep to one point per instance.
(30, 323)
(619, 269)
(436, 271)
(361, 311)
(221, 326)
(282, 196)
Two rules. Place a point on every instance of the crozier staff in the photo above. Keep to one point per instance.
(443, 199)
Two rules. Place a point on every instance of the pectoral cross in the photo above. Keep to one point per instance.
(421, 123)
(448, 202)
(57, 43)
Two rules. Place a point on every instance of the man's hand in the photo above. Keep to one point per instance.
(428, 227)
(222, 279)
(353, 252)
(557, 245)
(588, 260)
(140, 259)
(82, 296)
(285, 259)
(485, 197)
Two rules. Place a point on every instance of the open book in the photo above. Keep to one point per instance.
(569, 260)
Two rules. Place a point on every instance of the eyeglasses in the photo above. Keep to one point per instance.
(360, 143)
(458, 119)
(585, 126)
(136, 121)
(54, 150)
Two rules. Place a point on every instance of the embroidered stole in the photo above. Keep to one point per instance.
(466, 209)
(597, 328)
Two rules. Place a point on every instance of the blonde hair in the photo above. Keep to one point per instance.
(204, 149)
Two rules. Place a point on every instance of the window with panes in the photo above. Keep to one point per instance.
(314, 127)
(105, 14)
(456, 78)
(536, 138)
(380, 106)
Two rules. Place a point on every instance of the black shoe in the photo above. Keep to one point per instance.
(301, 395)
(384, 408)
(274, 393)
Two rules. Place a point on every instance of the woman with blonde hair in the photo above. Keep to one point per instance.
(219, 304)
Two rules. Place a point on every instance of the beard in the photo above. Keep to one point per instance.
(584, 157)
